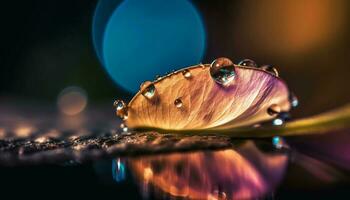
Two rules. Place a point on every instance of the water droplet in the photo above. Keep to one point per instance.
(222, 71)
(294, 102)
(148, 89)
(119, 104)
(277, 122)
(248, 63)
(274, 109)
(178, 103)
(121, 109)
(281, 118)
(186, 73)
(277, 142)
(270, 69)
(124, 127)
(158, 77)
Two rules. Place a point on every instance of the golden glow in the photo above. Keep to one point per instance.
(198, 175)
(23, 131)
(289, 26)
(147, 174)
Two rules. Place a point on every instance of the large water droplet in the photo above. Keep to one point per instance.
(178, 103)
(222, 71)
(148, 89)
(274, 109)
(121, 109)
(186, 73)
(270, 69)
(294, 102)
(248, 63)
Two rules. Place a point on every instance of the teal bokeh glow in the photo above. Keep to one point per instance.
(141, 39)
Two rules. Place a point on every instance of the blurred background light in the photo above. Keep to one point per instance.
(288, 28)
(72, 100)
(24, 130)
(104, 10)
(143, 39)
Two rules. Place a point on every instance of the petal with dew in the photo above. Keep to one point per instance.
(205, 104)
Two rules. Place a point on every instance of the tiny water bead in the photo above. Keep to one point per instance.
(274, 109)
(270, 69)
(148, 89)
(178, 103)
(222, 71)
(158, 77)
(281, 118)
(294, 102)
(248, 63)
(186, 73)
(124, 127)
(121, 109)
(119, 104)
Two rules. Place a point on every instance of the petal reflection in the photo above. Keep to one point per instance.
(225, 174)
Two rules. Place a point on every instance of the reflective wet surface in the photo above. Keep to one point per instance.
(93, 154)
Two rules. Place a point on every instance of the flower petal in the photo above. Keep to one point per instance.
(206, 104)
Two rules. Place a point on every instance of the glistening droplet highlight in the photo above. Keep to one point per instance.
(294, 102)
(248, 63)
(270, 69)
(121, 109)
(178, 103)
(222, 70)
(274, 109)
(186, 73)
(148, 89)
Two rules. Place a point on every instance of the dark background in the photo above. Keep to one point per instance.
(47, 46)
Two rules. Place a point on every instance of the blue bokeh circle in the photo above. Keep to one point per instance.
(142, 39)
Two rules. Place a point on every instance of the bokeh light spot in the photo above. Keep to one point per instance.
(143, 39)
(72, 100)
